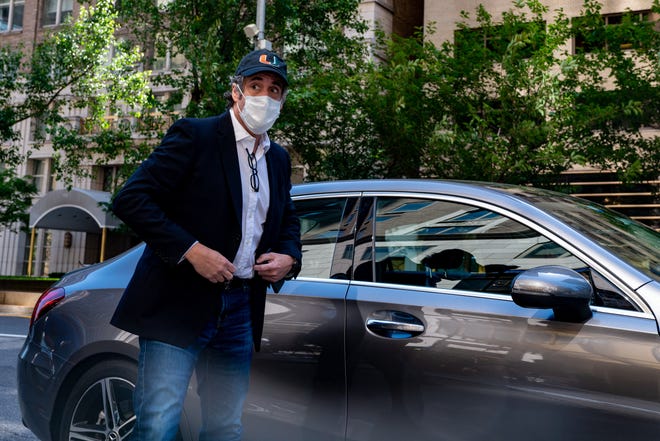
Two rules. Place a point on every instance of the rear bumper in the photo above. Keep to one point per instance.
(37, 390)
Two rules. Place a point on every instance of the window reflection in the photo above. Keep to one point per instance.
(320, 224)
(449, 245)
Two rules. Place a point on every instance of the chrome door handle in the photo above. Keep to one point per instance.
(395, 324)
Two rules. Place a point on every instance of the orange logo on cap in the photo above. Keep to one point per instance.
(264, 60)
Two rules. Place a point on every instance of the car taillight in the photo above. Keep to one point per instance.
(46, 302)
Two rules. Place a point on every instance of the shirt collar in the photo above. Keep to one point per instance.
(242, 135)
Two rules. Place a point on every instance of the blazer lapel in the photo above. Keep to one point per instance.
(229, 159)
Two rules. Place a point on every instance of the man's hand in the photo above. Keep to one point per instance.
(210, 264)
(273, 266)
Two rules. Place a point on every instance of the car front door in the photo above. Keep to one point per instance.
(437, 350)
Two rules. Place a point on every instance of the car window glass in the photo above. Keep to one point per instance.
(320, 225)
(457, 246)
(631, 241)
(609, 295)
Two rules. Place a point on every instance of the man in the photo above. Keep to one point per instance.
(212, 204)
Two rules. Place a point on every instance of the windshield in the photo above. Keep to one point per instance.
(631, 241)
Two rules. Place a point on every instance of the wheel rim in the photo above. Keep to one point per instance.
(104, 412)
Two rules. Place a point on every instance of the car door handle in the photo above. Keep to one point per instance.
(394, 324)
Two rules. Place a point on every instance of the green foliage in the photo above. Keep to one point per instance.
(323, 47)
(497, 111)
(507, 101)
(325, 122)
(72, 69)
(505, 107)
(209, 33)
(28, 278)
(10, 63)
(402, 99)
(15, 193)
(619, 88)
(15, 198)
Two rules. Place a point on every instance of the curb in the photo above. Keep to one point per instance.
(18, 303)
(16, 311)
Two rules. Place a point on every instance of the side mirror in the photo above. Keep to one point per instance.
(556, 287)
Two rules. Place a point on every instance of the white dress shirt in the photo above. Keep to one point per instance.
(255, 203)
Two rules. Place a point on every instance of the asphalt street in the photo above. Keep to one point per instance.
(12, 334)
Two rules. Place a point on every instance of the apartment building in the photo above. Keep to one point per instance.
(73, 230)
(70, 231)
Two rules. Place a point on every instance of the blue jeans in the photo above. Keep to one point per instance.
(221, 358)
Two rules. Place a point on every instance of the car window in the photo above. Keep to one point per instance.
(457, 246)
(320, 227)
(629, 240)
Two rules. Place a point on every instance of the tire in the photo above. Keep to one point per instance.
(106, 385)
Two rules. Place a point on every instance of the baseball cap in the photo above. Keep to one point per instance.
(262, 60)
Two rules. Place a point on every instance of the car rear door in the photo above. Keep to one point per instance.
(436, 349)
(298, 387)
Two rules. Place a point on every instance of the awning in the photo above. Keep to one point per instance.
(74, 210)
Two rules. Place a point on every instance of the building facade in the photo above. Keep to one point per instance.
(50, 250)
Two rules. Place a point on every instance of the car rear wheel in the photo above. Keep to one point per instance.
(100, 405)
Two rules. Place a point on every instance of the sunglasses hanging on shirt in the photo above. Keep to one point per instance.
(254, 177)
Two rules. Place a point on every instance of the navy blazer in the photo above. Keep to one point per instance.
(187, 190)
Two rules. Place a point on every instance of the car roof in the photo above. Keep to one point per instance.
(511, 197)
(389, 184)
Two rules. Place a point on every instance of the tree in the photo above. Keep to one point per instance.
(323, 42)
(69, 69)
(15, 192)
(522, 108)
(459, 111)
(15, 198)
(506, 101)
(506, 105)
(209, 34)
(617, 74)
(325, 122)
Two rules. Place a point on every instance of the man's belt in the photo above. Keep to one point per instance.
(237, 283)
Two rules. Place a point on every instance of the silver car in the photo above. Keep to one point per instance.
(425, 310)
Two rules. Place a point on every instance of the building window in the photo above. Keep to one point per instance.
(496, 39)
(169, 100)
(43, 267)
(11, 15)
(167, 61)
(38, 130)
(106, 177)
(56, 12)
(591, 36)
(41, 253)
(40, 172)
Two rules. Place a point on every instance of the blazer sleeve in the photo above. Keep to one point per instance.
(142, 203)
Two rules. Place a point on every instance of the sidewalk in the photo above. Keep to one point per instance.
(18, 303)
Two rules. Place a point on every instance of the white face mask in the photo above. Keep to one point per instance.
(259, 113)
